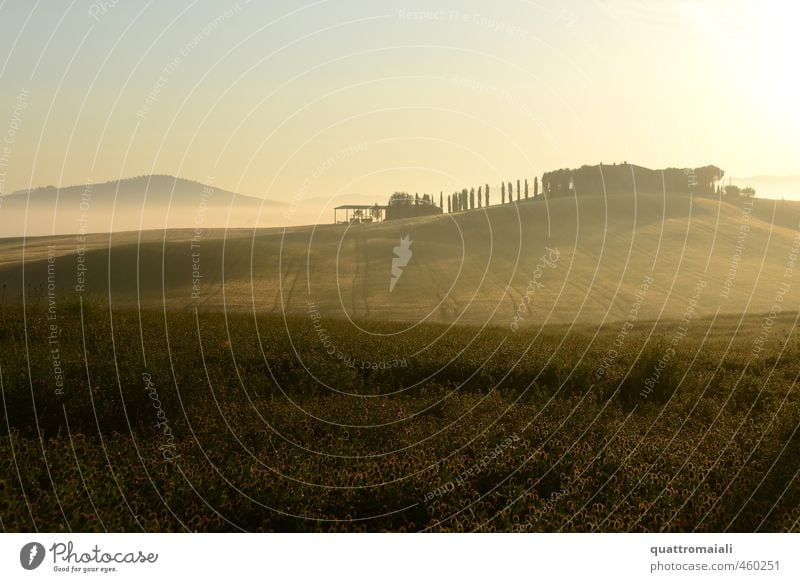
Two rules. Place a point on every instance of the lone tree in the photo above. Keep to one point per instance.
(535, 186)
(503, 191)
(486, 193)
(479, 196)
(526, 188)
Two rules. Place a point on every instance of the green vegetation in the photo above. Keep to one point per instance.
(229, 426)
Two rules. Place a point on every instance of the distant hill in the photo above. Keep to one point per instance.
(157, 202)
(471, 267)
(144, 202)
(157, 187)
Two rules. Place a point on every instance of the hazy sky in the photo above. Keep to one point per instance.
(286, 99)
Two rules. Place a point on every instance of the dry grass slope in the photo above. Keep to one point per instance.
(473, 267)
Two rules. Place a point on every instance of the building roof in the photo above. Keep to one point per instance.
(359, 206)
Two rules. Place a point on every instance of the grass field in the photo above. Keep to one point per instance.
(174, 420)
(590, 364)
(467, 268)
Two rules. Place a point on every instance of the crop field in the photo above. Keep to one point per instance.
(151, 420)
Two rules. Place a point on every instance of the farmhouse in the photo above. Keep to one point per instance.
(401, 205)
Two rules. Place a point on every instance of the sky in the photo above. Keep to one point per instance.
(289, 100)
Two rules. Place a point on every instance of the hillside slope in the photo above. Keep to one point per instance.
(473, 267)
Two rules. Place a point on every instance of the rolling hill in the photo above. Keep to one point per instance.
(474, 267)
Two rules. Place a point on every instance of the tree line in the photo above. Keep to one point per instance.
(470, 199)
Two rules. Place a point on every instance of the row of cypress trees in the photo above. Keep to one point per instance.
(466, 199)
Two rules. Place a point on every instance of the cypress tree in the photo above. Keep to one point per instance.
(535, 186)
(486, 193)
(472, 199)
(526, 188)
(479, 196)
(503, 191)
(510, 192)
